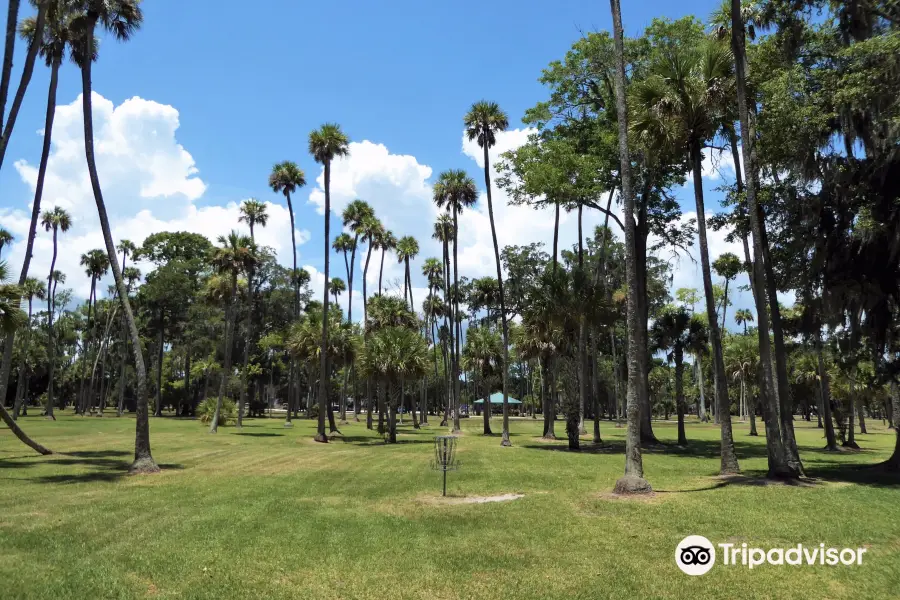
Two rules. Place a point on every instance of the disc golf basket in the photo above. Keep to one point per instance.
(445, 456)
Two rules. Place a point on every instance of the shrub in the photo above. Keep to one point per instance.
(207, 408)
(313, 412)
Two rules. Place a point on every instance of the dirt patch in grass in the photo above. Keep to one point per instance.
(469, 499)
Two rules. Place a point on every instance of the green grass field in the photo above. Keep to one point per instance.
(268, 513)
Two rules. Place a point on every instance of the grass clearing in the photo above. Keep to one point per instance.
(267, 513)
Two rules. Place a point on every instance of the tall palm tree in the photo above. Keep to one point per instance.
(407, 249)
(633, 482)
(372, 232)
(286, 177)
(325, 144)
(234, 256)
(253, 213)
(96, 265)
(55, 220)
(742, 316)
(33, 288)
(455, 191)
(687, 89)
(483, 122)
(784, 461)
(443, 232)
(355, 217)
(121, 18)
(43, 7)
(6, 239)
(386, 242)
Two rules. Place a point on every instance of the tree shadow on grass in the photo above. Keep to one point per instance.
(694, 448)
(102, 465)
(259, 434)
(364, 440)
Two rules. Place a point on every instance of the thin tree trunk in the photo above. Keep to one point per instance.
(825, 391)
(729, 463)
(455, 324)
(143, 461)
(679, 395)
(633, 481)
(324, 376)
(12, 20)
(229, 342)
(27, 72)
(778, 463)
(159, 367)
(295, 282)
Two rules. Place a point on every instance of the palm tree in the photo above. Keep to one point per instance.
(455, 191)
(122, 18)
(325, 144)
(372, 232)
(12, 318)
(43, 7)
(407, 249)
(742, 316)
(6, 239)
(386, 242)
(33, 288)
(337, 288)
(344, 244)
(483, 121)
(355, 217)
(443, 232)
(56, 220)
(687, 89)
(728, 266)
(675, 330)
(633, 482)
(96, 265)
(286, 177)
(480, 356)
(235, 255)
(253, 212)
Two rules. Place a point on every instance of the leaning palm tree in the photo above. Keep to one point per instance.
(407, 249)
(483, 122)
(455, 191)
(253, 213)
(55, 220)
(122, 18)
(43, 7)
(325, 144)
(686, 90)
(633, 482)
(6, 239)
(33, 288)
(286, 177)
(234, 256)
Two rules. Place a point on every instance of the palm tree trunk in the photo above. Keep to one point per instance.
(381, 270)
(455, 324)
(27, 71)
(825, 391)
(324, 375)
(633, 481)
(143, 461)
(229, 342)
(595, 388)
(86, 346)
(159, 366)
(365, 334)
(778, 463)
(679, 395)
(729, 463)
(505, 441)
(295, 282)
(12, 20)
(21, 385)
(188, 405)
(120, 409)
(248, 341)
(699, 371)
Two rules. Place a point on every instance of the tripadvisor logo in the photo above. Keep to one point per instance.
(696, 555)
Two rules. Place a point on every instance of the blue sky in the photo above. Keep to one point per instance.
(228, 92)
